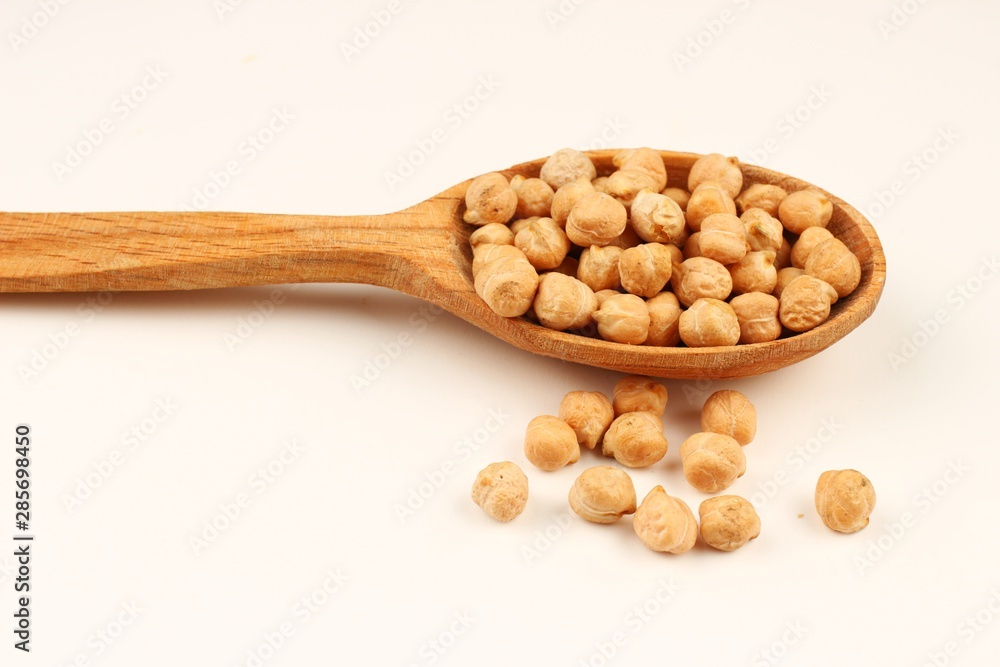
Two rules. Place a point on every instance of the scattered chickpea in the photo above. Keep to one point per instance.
(676, 254)
(834, 263)
(706, 199)
(507, 284)
(718, 168)
(563, 302)
(522, 223)
(570, 266)
(679, 195)
(764, 232)
(754, 273)
(844, 499)
(757, 314)
(784, 256)
(731, 413)
(723, 238)
(712, 461)
(501, 489)
(644, 161)
(602, 494)
(625, 184)
(762, 196)
(596, 220)
(709, 322)
(803, 209)
(566, 197)
(589, 414)
(494, 233)
(807, 241)
(656, 217)
(565, 165)
(785, 276)
(543, 242)
(485, 253)
(623, 318)
(645, 269)
(805, 303)
(550, 443)
(489, 199)
(599, 267)
(664, 320)
(635, 439)
(534, 196)
(600, 184)
(604, 294)
(638, 393)
(692, 246)
(627, 239)
(728, 522)
(700, 277)
(665, 523)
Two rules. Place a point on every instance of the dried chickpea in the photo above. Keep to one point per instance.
(763, 231)
(657, 218)
(692, 247)
(762, 196)
(805, 303)
(834, 263)
(501, 489)
(712, 461)
(563, 302)
(709, 322)
(844, 499)
(550, 443)
(494, 233)
(645, 269)
(522, 223)
(599, 267)
(784, 256)
(507, 284)
(664, 320)
(638, 169)
(625, 184)
(754, 273)
(803, 209)
(602, 494)
(785, 276)
(589, 414)
(728, 522)
(679, 195)
(565, 165)
(638, 393)
(665, 523)
(566, 197)
(700, 277)
(623, 318)
(534, 196)
(569, 267)
(627, 239)
(715, 167)
(600, 184)
(723, 238)
(807, 241)
(706, 199)
(596, 220)
(604, 294)
(543, 242)
(484, 253)
(676, 254)
(635, 439)
(489, 199)
(757, 314)
(730, 413)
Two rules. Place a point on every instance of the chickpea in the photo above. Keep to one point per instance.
(604, 294)
(718, 168)
(657, 218)
(763, 231)
(544, 243)
(489, 199)
(602, 494)
(494, 233)
(706, 199)
(645, 269)
(623, 318)
(627, 239)
(676, 254)
(638, 393)
(550, 443)
(600, 184)
(646, 161)
(785, 276)
(566, 197)
(834, 263)
(807, 241)
(754, 273)
(728, 522)
(599, 267)
(679, 195)
(665, 523)
(723, 238)
(700, 277)
(803, 209)
(569, 267)
(692, 247)
(784, 256)
(596, 220)
(757, 314)
(635, 439)
(844, 499)
(565, 165)
(625, 184)
(589, 414)
(664, 320)
(712, 461)
(763, 196)
(563, 302)
(523, 223)
(485, 253)
(534, 196)
(507, 285)
(730, 413)
(805, 303)
(709, 322)
(501, 489)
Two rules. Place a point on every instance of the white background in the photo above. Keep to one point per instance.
(545, 589)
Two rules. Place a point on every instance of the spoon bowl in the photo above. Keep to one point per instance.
(422, 250)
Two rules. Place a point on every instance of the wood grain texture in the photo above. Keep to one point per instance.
(422, 251)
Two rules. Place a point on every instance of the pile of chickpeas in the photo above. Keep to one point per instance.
(644, 263)
(629, 428)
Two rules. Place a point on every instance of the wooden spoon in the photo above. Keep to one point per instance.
(423, 251)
